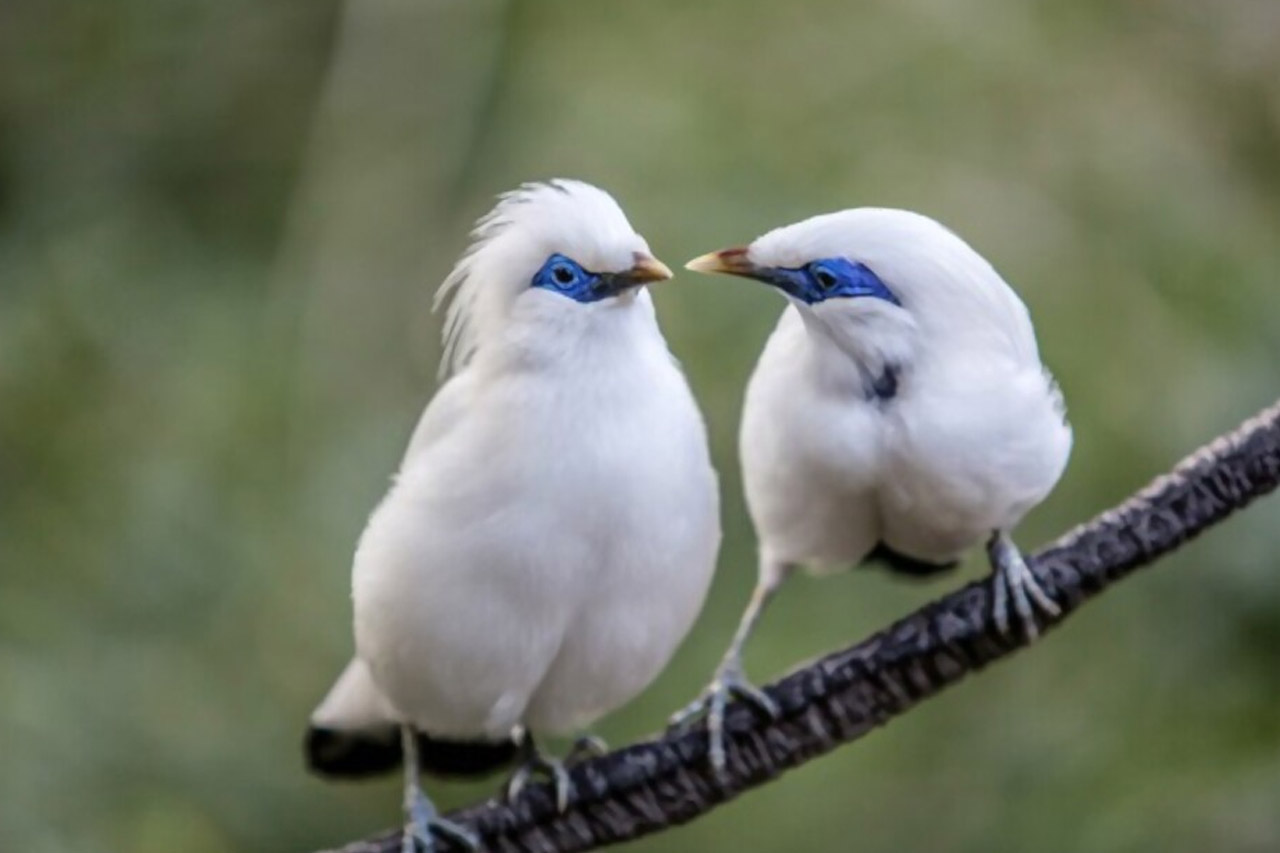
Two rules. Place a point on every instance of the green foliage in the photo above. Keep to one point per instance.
(219, 227)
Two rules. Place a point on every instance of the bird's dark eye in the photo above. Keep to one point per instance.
(825, 279)
(563, 274)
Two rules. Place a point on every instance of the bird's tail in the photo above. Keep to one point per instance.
(375, 751)
(902, 564)
(354, 734)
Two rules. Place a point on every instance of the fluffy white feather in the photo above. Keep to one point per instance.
(974, 437)
(906, 416)
(552, 530)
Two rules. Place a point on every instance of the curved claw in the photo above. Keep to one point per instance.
(554, 769)
(1014, 579)
(682, 718)
(584, 747)
(729, 681)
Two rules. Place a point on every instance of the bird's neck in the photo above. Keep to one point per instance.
(863, 356)
(543, 333)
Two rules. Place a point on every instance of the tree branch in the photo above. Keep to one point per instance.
(656, 784)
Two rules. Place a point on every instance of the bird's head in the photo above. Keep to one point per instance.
(545, 252)
(882, 284)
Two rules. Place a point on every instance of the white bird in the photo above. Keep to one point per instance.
(554, 525)
(899, 412)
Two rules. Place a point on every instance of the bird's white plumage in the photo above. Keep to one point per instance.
(354, 703)
(552, 531)
(973, 438)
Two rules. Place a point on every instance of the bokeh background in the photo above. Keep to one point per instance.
(220, 226)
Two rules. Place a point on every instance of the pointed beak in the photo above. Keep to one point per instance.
(726, 261)
(646, 269)
(734, 261)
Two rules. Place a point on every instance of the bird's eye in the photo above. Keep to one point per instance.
(562, 274)
(826, 280)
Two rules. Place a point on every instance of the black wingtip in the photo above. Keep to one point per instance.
(901, 564)
(375, 752)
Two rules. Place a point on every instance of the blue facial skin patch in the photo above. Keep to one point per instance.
(566, 277)
(829, 278)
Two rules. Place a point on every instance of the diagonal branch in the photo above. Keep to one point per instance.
(653, 785)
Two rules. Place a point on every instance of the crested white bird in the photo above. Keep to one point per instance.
(899, 413)
(552, 531)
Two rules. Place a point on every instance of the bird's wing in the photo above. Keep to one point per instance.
(441, 415)
(979, 443)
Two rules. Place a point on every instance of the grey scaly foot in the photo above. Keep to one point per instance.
(729, 682)
(533, 762)
(420, 814)
(1013, 579)
(424, 821)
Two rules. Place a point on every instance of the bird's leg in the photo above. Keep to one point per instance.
(421, 817)
(533, 760)
(584, 747)
(729, 678)
(1013, 579)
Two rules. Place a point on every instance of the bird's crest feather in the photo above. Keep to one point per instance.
(524, 226)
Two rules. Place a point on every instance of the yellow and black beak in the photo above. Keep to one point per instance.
(645, 270)
(726, 261)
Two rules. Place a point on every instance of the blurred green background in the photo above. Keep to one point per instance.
(220, 225)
